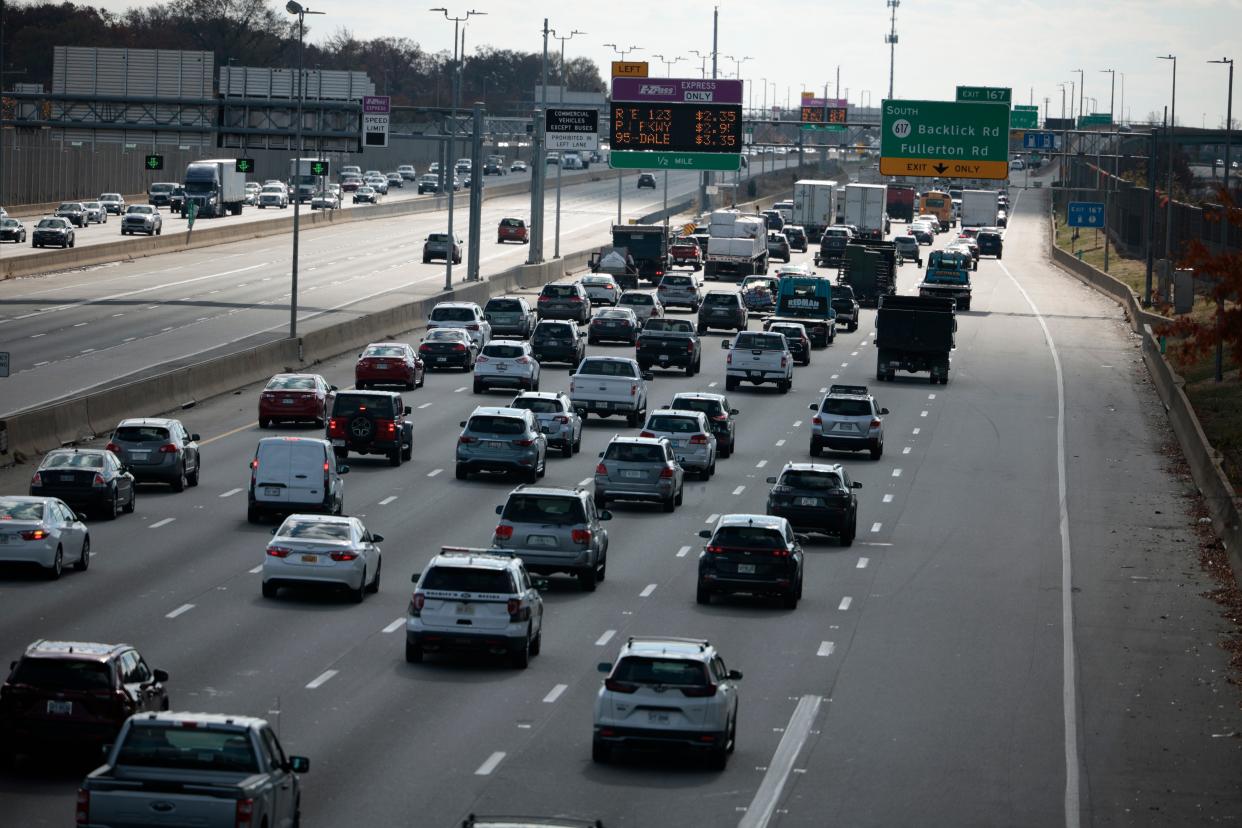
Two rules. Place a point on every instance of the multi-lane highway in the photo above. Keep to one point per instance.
(71, 331)
(1022, 606)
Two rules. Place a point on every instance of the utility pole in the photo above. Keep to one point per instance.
(539, 173)
(296, 8)
(473, 235)
(891, 40)
(556, 252)
(1168, 213)
(705, 178)
(1226, 208)
(1151, 214)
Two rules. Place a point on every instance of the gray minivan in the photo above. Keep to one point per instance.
(295, 474)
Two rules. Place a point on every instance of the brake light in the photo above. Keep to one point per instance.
(582, 536)
(729, 358)
(347, 555)
(575, 298)
(98, 481)
(523, 443)
(466, 439)
(713, 549)
(620, 686)
(633, 389)
(780, 553)
(481, 358)
(336, 427)
(517, 612)
(279, 551)
(666, 473)
(416, 604)
(659, 272)
(699, 692)
(114, 448)
(504, 531)
(601, 469)
(876, 423)
(699, 440)
(645, 433)
(34, 534)
(545, 298)
(424, 348)
(82, 814)
(783, 362)
(36, 480)
(720, 418)
(562, 420)
(523, 360)
(244, 813)
(817, 420)
(459, 347)
(387, 426)
(472, 327)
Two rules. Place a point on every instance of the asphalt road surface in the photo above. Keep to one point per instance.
(927, 663)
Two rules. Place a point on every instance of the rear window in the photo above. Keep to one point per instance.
(491, 424)
(720, 299)
(512, 222)
(452, 315)
(607, 368)
(760, 342)
(291, 384)
(504, 351)
(635, 453)
(438, 237)
(675, 325)
(314, 530)
(555, 331)
(637, 299)
(141, 434)
(709, 407)
(348, 405)
(144, 209)
(523, 508)
(72, 461)
(503, 306)
(818, 481)
(537, 404)
(384, 351)
(678, 281)
(463, 579)
(442, 335)
(847, 408)
(667, 671)
(677, 425)
(161, 188)
(789, 331)
(182, 749)
(749, 536)
(18, 510)
(63, 674)
(560, 291)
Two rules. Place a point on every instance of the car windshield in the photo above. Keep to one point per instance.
(503, 351)
(452, 315)
(141, 434)
(675, 425)
(110, 197)
(178, 748)
(70, 460)
(722, 299)
(816, 480)
(443, 335)
(607, 368)
(144, 209)
(635, 453)
(63, 674)
(711, 408)
(556, 330)
(618, 313)
(69, 206)
(665, 671)
(492, 424)
(54, 223)
(463, 579)
(599, 281)
(755, 537)
(539, 405)
(314, 530)
(503, 305)
(847, 408)
(789, 331)
(524, 508)
(291, 384)
(20, 510)
(511, 222)
(384, 351)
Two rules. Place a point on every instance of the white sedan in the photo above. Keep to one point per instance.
(323, 550)
(44, 531)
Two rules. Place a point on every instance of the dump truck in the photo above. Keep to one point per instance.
(646, 245)
(914, 334)
(870, 268)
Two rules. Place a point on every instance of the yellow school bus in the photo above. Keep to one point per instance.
(940, 205)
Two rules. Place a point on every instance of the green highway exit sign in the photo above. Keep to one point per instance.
(984, 94)
(154, 162)
(643, 160)
(1023, 119)
(938, 138)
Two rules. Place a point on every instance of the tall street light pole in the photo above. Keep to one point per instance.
(622, 53)
(1224, 223)
(1082, 88)
(1168, 214)
(296, 8)
(891, 40)
(556, 252)
(1116, 151)
(451, 173)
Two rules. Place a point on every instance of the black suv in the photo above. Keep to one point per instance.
(774, 219)
(371, 422)
(176, 200)
(78, 693)
(646, 180)
(756, 554)
(990, 244)
(722, 309)
(556, 341)
(797, 237)
(721, 418)
(816, 497)
(564, 300)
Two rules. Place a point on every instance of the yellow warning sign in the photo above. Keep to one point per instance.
(688, 229)
(933, 167)
(629, 68)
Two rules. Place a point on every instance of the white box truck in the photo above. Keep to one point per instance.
(865, 206)
(979, 208)
(814, 207)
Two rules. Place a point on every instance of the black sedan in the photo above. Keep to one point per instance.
(12, 230)
(816, 497)
(74, 212)
(646, 180)
(448, 348)
(93, 480)
(56, 232)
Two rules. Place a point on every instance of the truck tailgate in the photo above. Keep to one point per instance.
(124, 803)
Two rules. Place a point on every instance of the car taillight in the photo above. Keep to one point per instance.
(522, 360)
(466, 439)
(713, 549)
(645, 433)
(699, 440)
(481, 358)
(244, 813)
(386, 426)
(422, 349)
(633, 389)
(459, 347)
(659, 272)
(98, 481)
(575, 298)
(472, 327)
(34, 534)
(37, 480)
(416, 604)
(562, 420)
(582, 536)
(666, 473)
(783, 362)
(524, 443)
(699, 692)
(279, 551)
(876, 423)
(82, 814)
(114, 448)
(346, 555)
(720, 418)
(729, 358)
(336, 427)
(545, 298)
(504, 531)
(817, 420)
(168, 448)
(600, 468)
(517, 612)
(620, 686)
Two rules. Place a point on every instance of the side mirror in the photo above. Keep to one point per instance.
(855, 485)
(601, 454)
(604, 667)
(105, 750)
(883, 410)
(604, 514)
(725, 344)
(462, 424)
(376, 538)
(540, 584)
(333, 388)
(735, 675)
(414, 578)
(299, 764)
(274, 530)
(813, 406)
(734, 411)
(407, 410)
(194, 438)
(161, 675)
(705, 533)
(770, 480)
(500, 510)
(648, 375)
(341, 468)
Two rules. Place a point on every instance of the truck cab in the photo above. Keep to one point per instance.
(948, 276)
(807, 300)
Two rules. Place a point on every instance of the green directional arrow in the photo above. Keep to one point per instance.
(154, 162)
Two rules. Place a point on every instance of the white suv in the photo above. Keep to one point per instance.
(507, 363)
(848, 419)
(465, 315)
(667, 692)
(475, 600)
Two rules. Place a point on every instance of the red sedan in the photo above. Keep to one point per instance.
(512, 229)
(291, 398)
(389, 363)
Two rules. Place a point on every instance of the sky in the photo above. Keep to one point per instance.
(1023, 44)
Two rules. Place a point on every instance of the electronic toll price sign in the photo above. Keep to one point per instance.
(677, 128)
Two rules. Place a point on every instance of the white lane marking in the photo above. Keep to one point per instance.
(229, 493)
(916, 431)
(115, 315)
(87, 351)
(181, 610)
(780, 442)
(683, 552)
(896, 472)
(36, 336)
(922, 413)
(321, 679)
(585, 481)
(434, 472)
(712, 384)
(1069, 689)
(605, 638)
(888, 498)
(487, 767)
(905, 450)
(394, 625)
(459, 390)
(862, 563)
(255, 570)
(712, 518)
(40, 364)
(825, 648)
(387, 500)
(834, 376)
(871, 543)
(824, 390)
(875, 527)
(845, 603)
(81, 324)
(424, 405)
(555, 693)
(845, 365)
(797, 424)
(739, 490)
(763, 807)
(853, 353)
(128, 339)
(761, 464)
(931, 396)
(160, 523)
(647, 590)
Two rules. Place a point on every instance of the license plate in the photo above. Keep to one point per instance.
(465, 609)
(808, 501)
(66, 478)
(632, 473)
(382, 366)
(139, 455)
(502, 367)
(286, 402)
(310, 559)
(495, 444)
(745, 569)
(541, 540)
(756, 374)
(657, 717)
(720, 312)
(271, 491)
(60, 708)
(441, 359)
(604, 405)
(663, 357)
(338, 442)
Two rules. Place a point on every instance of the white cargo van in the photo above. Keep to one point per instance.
(295, 474)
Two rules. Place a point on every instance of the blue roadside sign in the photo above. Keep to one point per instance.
(1086, 214)
(1039, 140)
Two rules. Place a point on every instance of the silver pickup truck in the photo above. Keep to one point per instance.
(202, 769)
(610, 385)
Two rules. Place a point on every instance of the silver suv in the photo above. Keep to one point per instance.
(689, 435)
(557, 418)
(667, 692)
(555, 530)
(848, 419)
(680, 290)
(639, 468)
(472, 599)
(497, 439)
(157, 450)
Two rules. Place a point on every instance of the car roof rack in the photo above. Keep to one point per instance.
(860, 390)
(702, 643)
(471, 551)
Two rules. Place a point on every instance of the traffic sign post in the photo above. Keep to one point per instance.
(984, 94)
(4, 363)
(376, 111)
(1085, 214)
(571, 129)
(244, 165)
(154, 162)
(935, 138)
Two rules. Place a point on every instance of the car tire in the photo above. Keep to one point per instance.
(847, 536)
(536, 643)
(395, 456)
(374, 586)
(478, 386)
(730, 384)
(192, 479)
(783, 386)
(461, 472)
(179, 483)
(114, 508)
(680, 496)
(600, 752)
(413, 652)
(587, 580)
(84, 560)
(567, 450)
(359, 595)
(600, 501)
(816, 449)
(519, 656)
(790, 599)
(270, 589)
(407, 451)
(54, 571)
(670, 505)
(702, 595)
(252, 515)
(877, 451)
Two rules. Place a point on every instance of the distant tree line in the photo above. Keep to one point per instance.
(258, 33)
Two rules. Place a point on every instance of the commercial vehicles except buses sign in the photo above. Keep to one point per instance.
(944, 138)
(571, 129)
(676, 123)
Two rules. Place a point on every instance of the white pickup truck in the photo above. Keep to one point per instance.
(607, 385)
(757, 358)
(203, 769)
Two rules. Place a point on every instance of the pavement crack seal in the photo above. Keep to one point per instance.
(763, 806)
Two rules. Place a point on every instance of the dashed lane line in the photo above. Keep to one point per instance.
(845, 603)
(605, 638)
(321, 679)
(394, 625)
(825, 648)
(555, 693)
(862, 563)
(160, 523)
(490, 765)
(387, 500)
(181, 610)
(647, 590)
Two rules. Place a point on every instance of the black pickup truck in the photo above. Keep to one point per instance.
(667, 343)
